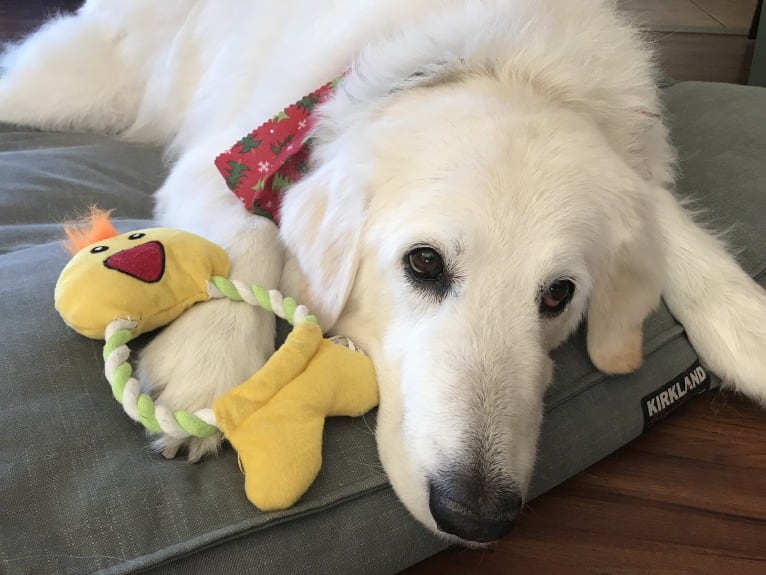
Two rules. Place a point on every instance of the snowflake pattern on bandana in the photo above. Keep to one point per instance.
(263, 164)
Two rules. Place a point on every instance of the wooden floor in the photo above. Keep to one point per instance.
(731, 17)
(689, 497)
(18, 17)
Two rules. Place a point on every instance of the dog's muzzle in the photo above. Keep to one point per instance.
(472, 508)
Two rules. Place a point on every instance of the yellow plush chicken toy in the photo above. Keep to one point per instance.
(118, 286)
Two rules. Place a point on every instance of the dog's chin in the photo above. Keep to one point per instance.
(410, 486)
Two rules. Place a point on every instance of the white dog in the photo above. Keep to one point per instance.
(489, 173)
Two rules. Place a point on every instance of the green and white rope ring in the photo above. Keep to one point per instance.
(158, 418)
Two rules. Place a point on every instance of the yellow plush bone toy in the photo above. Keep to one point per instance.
(118, 286)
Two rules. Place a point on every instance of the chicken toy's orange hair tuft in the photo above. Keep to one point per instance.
(90, 229)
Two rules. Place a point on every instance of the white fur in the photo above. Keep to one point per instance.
(522, 139)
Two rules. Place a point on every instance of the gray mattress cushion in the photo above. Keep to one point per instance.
(80, 492)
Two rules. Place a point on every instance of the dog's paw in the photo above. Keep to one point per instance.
(210, 349)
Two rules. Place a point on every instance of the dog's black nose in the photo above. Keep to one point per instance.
(472, 509)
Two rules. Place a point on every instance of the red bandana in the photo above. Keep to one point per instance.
(264, 163)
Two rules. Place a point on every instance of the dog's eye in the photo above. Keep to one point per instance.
(425, 264)
(555, 296)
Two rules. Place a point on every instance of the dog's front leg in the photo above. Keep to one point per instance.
(215, 345)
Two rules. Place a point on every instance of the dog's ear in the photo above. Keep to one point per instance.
(629, 285)
(322, 219)
(625, 292)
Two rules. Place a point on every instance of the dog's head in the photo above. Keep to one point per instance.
(458, 231)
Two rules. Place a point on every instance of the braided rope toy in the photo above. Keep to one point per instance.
(155, 417)
(118, 286)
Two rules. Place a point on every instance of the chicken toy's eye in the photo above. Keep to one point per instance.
(99, 249)
(136, 236)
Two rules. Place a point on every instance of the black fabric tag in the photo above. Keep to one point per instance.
(669, 397)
